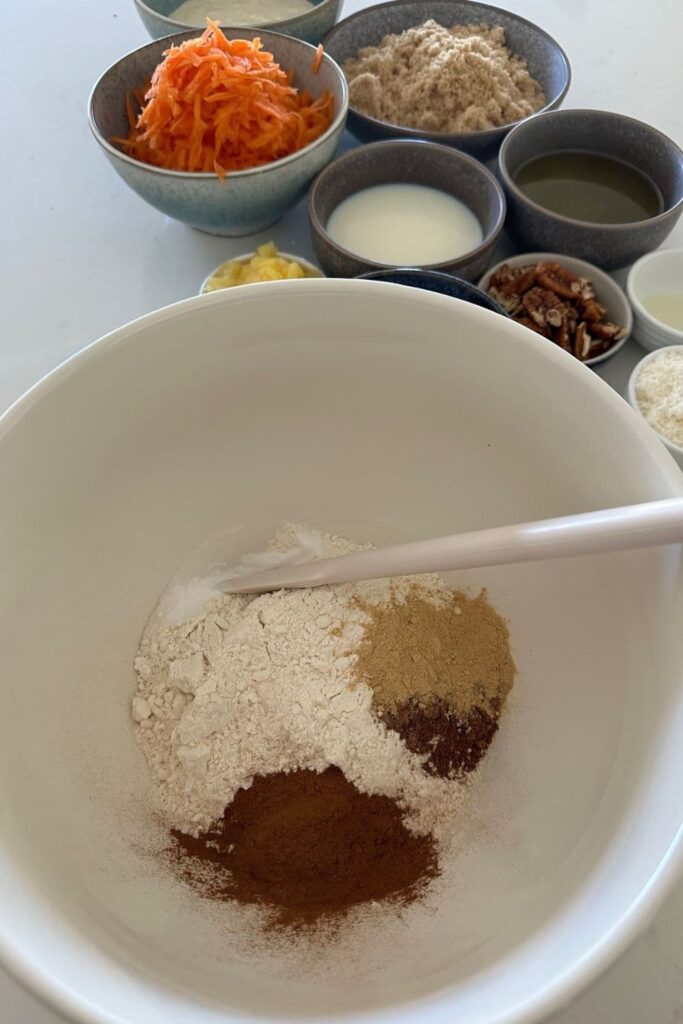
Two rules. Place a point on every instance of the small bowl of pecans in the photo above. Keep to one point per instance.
(568, 301)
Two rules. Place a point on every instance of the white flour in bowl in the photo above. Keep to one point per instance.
(248, 686)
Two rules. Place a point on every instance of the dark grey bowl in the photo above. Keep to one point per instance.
(436, 281)
(608, 245)
(246, 201)
(157, 17)
(417, 163)
(547, 61)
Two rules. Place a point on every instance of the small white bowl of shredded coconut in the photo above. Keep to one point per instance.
(655, 390)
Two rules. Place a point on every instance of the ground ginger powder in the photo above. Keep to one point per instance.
(439, 79)
(440, 673)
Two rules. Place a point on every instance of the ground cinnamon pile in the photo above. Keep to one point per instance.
(440, 673)
(308, 846)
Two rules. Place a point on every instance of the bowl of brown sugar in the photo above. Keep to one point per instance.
(450, 71)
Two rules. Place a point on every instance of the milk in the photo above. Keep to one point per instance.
(404, 225)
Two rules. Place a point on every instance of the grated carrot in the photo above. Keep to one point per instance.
(217, 104)
(318, 58)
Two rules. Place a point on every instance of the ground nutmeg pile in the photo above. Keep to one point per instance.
(310, 748)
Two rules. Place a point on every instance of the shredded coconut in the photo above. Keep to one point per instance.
(249, 686)
(659, 393)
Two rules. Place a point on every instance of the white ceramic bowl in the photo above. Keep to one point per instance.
(675, 449)
(658, 271)
(246, 256)
(607, 291)
(386, 413)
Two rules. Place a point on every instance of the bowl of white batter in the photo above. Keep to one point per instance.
(309, 20)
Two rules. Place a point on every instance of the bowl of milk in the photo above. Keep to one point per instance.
(405, 203)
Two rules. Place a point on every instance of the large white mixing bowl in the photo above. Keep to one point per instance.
(385, 413)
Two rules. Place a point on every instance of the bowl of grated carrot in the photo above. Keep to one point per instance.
(220, 130)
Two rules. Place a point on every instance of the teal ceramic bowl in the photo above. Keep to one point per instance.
(246, 201)
(157, 17)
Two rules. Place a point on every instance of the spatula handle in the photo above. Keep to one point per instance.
(631, 526)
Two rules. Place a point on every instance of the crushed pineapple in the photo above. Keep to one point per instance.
(265, 265)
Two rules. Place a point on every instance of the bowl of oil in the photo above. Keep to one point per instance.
(655, 290)
(592, 184)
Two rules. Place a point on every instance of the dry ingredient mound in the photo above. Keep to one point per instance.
(439, 673)
(310, 845)
(303, 737)
(659, 393)
(437, 79)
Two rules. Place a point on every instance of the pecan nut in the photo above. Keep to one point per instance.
(558, 304)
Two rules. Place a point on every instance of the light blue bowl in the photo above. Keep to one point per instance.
(246, 201)
(157, 17)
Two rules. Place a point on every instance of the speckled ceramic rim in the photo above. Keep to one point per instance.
(283, 22)
(597, 276)
(486, 134)
(180, 37)
(244, 257)
(674, 448)
(648, 319)
(456, 155)
(560, 218)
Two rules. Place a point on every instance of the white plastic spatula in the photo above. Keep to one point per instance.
(613, 529)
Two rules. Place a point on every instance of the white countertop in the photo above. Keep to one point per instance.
(81, 255)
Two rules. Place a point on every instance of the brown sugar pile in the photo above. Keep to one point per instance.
(307, 845)
(440, 673)
(440, 79)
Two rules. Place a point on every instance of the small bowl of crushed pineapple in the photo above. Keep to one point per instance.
(266, 264)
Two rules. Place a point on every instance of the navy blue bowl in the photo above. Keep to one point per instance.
(435, 281)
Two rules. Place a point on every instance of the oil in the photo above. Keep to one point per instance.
(589, 187)
(667, 307)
